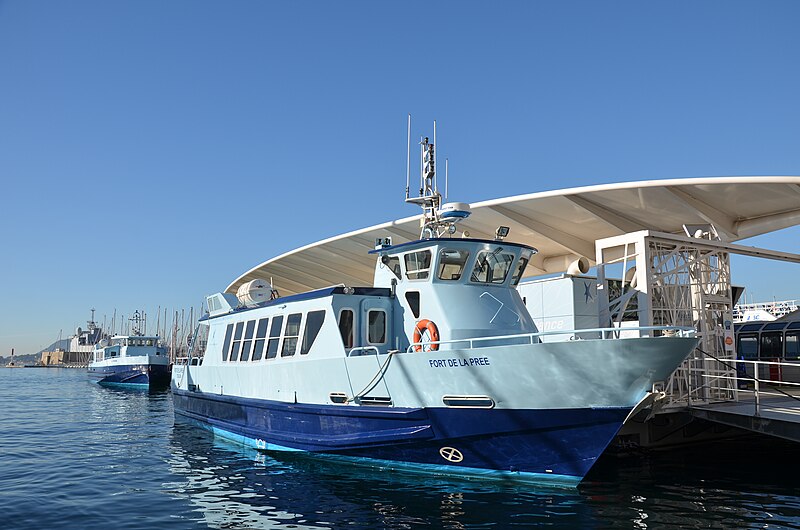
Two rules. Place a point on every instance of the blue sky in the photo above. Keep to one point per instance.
(151, 151)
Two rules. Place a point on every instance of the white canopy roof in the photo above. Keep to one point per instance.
(562, 224)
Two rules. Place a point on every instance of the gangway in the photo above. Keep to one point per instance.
(678, 280)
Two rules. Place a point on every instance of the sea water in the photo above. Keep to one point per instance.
(74, 454)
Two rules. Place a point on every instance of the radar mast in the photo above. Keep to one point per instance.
(437, 219)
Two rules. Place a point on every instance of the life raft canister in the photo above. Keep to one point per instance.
(433, 333)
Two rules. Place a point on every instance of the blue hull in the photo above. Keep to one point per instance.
(140, 375)
(549, 446)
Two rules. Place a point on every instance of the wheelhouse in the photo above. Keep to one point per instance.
(448, 261)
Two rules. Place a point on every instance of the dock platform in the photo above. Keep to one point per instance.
(773, 415)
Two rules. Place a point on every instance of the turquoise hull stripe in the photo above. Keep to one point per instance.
(124, 385)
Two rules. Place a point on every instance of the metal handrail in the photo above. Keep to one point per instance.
(363, 348)
(756, 391)
(681, 331)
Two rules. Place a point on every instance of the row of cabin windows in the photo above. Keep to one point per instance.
(490, 266)
(376, 327)
(769, 345)
(254, 340)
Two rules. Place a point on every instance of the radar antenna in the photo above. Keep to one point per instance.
(139, 323)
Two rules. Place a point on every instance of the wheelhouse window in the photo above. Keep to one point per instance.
(523, 262)
(492, 267)
(314, 322)
(346, 327)
(261, 339)
(248, 340)
(226, 345)
(393, 264)
(412, 297)
(451, 263)
(291, 334)
(376, 329)
(418, 264)
(274, 337)
(237, 342)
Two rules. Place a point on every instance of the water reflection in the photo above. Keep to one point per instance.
(710, 486)
(235, 486)
(74, 454)
(748, 482)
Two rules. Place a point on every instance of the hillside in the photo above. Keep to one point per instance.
(31, 358)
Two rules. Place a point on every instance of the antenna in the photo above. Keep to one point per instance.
(408, 158)
(433, 158)
(445, 178)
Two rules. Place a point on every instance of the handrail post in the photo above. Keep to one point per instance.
(756, 388)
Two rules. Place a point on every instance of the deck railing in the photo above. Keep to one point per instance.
(765, 378)
(573, 334)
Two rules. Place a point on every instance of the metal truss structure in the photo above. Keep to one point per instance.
(671, 280)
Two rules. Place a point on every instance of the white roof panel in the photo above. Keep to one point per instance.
(562, 224)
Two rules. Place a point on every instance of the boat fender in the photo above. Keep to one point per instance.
(433, 333)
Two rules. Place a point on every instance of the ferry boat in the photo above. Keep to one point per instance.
(436, 367)
(136, 360)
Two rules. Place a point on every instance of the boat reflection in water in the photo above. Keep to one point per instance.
(236, 486)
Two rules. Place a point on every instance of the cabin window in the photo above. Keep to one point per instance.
(248, 340)
(376, 330)
(418, 264)
(523, 262)
(148, 342)
(451, 263)
(261, 338)
(227, 344)
(771, 345)
(792, 345)
(291, 334)
(346, 327)
(237, 342)
(393, 264)
(314, 322)
(412, 297)
(274, 337)
(747, 346)
(492, 267)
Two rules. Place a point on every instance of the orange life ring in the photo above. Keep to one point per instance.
(433, 333)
